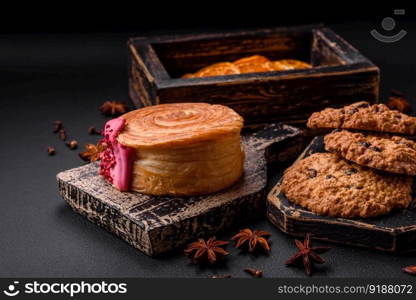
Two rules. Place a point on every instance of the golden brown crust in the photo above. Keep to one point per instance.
(278, 66)
(176, 124)
(184, 148)
(292, 64)
(363, 116)
(203, 168)
(250, 64)
(218, 69)
(388, 153)
(326, 184)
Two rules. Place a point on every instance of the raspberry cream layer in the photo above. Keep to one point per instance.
(183, 148)
(116, 159)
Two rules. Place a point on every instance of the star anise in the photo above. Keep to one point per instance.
(92, 152)
(307, 254)
(399, 103)
(253, 238)
(113, 108)
(202, 250)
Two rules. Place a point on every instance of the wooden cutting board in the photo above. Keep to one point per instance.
(156, 224)
(394, 232)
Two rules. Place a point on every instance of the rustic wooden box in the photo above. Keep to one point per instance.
(340, 74)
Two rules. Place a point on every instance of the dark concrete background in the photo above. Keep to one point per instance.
(45, 77)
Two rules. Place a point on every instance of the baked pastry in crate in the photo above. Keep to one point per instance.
(174, 149)
(249, 64)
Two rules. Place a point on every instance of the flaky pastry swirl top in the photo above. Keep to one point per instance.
(178, 124)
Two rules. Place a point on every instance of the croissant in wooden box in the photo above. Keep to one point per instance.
(174, 149)
(249, 64)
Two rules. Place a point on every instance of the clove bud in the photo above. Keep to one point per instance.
(92, 131)
(57, 126)
(254, 272)
(62, 134)
(72, 144)
(51, 150)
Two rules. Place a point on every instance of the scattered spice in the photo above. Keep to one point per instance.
(210, 250)
(410, 270)
(221, 276)
(62, 134)
(57, 126)
(51, 150)
(307, 254)
(399, 103)
(113, 108)
(92, 131)
(253, 238)
(72, 144)
(254, 272)
(92, 152)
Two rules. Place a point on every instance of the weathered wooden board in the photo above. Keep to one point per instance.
(340, 74)
(394, 232)
(155, 224)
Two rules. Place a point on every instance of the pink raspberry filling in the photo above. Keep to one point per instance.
(116, 159)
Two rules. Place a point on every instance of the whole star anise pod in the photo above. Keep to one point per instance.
(92, 152)
(113, 108)
(399, 103)
(253, 238)
(307, 254)
(210, 250)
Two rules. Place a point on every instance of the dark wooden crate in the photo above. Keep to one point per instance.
(394, 232)
(340, 74)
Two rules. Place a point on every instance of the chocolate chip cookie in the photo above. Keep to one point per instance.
(388, 153)
(363, 116)
(326, 184)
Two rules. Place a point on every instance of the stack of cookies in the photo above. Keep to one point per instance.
(368, 169)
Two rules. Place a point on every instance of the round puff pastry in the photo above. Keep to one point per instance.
(183, 148)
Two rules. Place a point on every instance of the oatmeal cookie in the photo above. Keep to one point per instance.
(388, 153)
(363, 116)
(326, 184)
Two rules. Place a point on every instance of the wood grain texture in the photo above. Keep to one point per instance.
(340, 76)
(155, 224)
(394, 232)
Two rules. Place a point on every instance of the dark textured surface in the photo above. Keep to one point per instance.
(44, 78)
